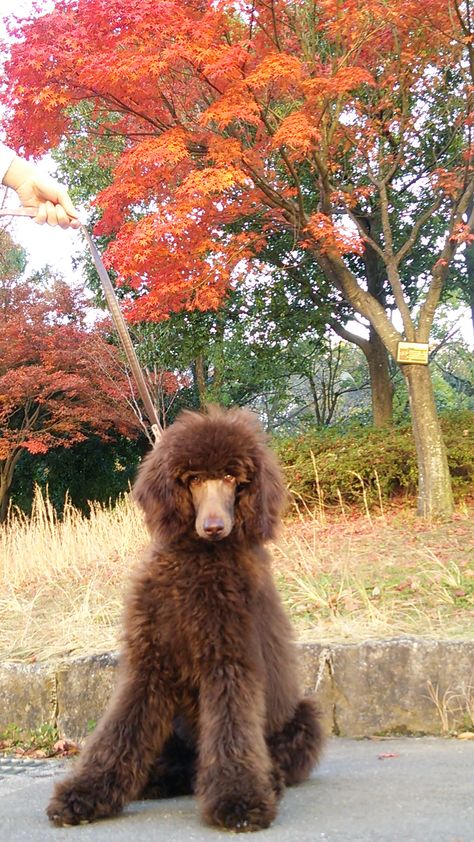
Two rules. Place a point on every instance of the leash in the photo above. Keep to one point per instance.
(118, 319)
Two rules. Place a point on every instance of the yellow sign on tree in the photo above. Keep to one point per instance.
(412, 352)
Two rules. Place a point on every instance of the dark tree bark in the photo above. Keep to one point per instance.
(7, 468)
(469, 262)
(381, 386)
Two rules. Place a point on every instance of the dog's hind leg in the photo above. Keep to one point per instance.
(296, 748)
(173, 772)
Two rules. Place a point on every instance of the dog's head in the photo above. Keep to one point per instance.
(212, 475)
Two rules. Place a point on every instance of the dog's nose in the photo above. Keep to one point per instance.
(213, 526)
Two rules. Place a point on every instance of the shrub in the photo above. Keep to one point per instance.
(325, 465)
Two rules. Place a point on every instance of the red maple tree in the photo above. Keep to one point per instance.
(318, 118)
(59, 380)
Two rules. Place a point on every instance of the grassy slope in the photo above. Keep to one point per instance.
(343, 577)
(357, 577)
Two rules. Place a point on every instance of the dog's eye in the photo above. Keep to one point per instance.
(195, 480)
(230, 479)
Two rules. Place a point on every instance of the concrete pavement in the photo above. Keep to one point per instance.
(394, 790)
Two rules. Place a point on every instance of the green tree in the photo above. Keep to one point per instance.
(226, 115)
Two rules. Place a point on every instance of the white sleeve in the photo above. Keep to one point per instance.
(6, 157)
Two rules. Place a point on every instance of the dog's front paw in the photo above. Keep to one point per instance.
(243, 813)
(75, 803)
(71, 807)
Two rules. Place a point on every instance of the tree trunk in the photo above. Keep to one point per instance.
(200, 379)
(435, 498)
(469, 261)
(381, 385)
(218, 356)
(4, 497)
(7, 468)
(314, 393)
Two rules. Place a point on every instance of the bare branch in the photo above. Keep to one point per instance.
(348, 336)
(441, 268)
(415, 231)
(355, 218)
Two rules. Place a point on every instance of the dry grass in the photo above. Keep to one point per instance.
(62, 582)
(350, 578)
(346, 577)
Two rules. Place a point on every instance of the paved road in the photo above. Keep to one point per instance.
(425, 793)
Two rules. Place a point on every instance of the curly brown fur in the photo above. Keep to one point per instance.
(208, 699)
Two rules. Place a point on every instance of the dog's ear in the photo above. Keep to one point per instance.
(261, 502)
(165, 502)
(150, 488)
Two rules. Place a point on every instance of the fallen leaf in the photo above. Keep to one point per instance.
(64, 747)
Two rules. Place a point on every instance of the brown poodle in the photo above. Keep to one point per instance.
(208, 699)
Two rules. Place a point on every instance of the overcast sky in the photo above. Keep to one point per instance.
(44, 244)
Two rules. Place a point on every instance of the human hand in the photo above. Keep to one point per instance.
(36, 190)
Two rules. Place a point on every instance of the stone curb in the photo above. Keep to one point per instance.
(401, 685)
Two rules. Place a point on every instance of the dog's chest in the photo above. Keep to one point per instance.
(208, 592)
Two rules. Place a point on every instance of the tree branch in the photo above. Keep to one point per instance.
(440, 270)
(348, 336)
(415, 231)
